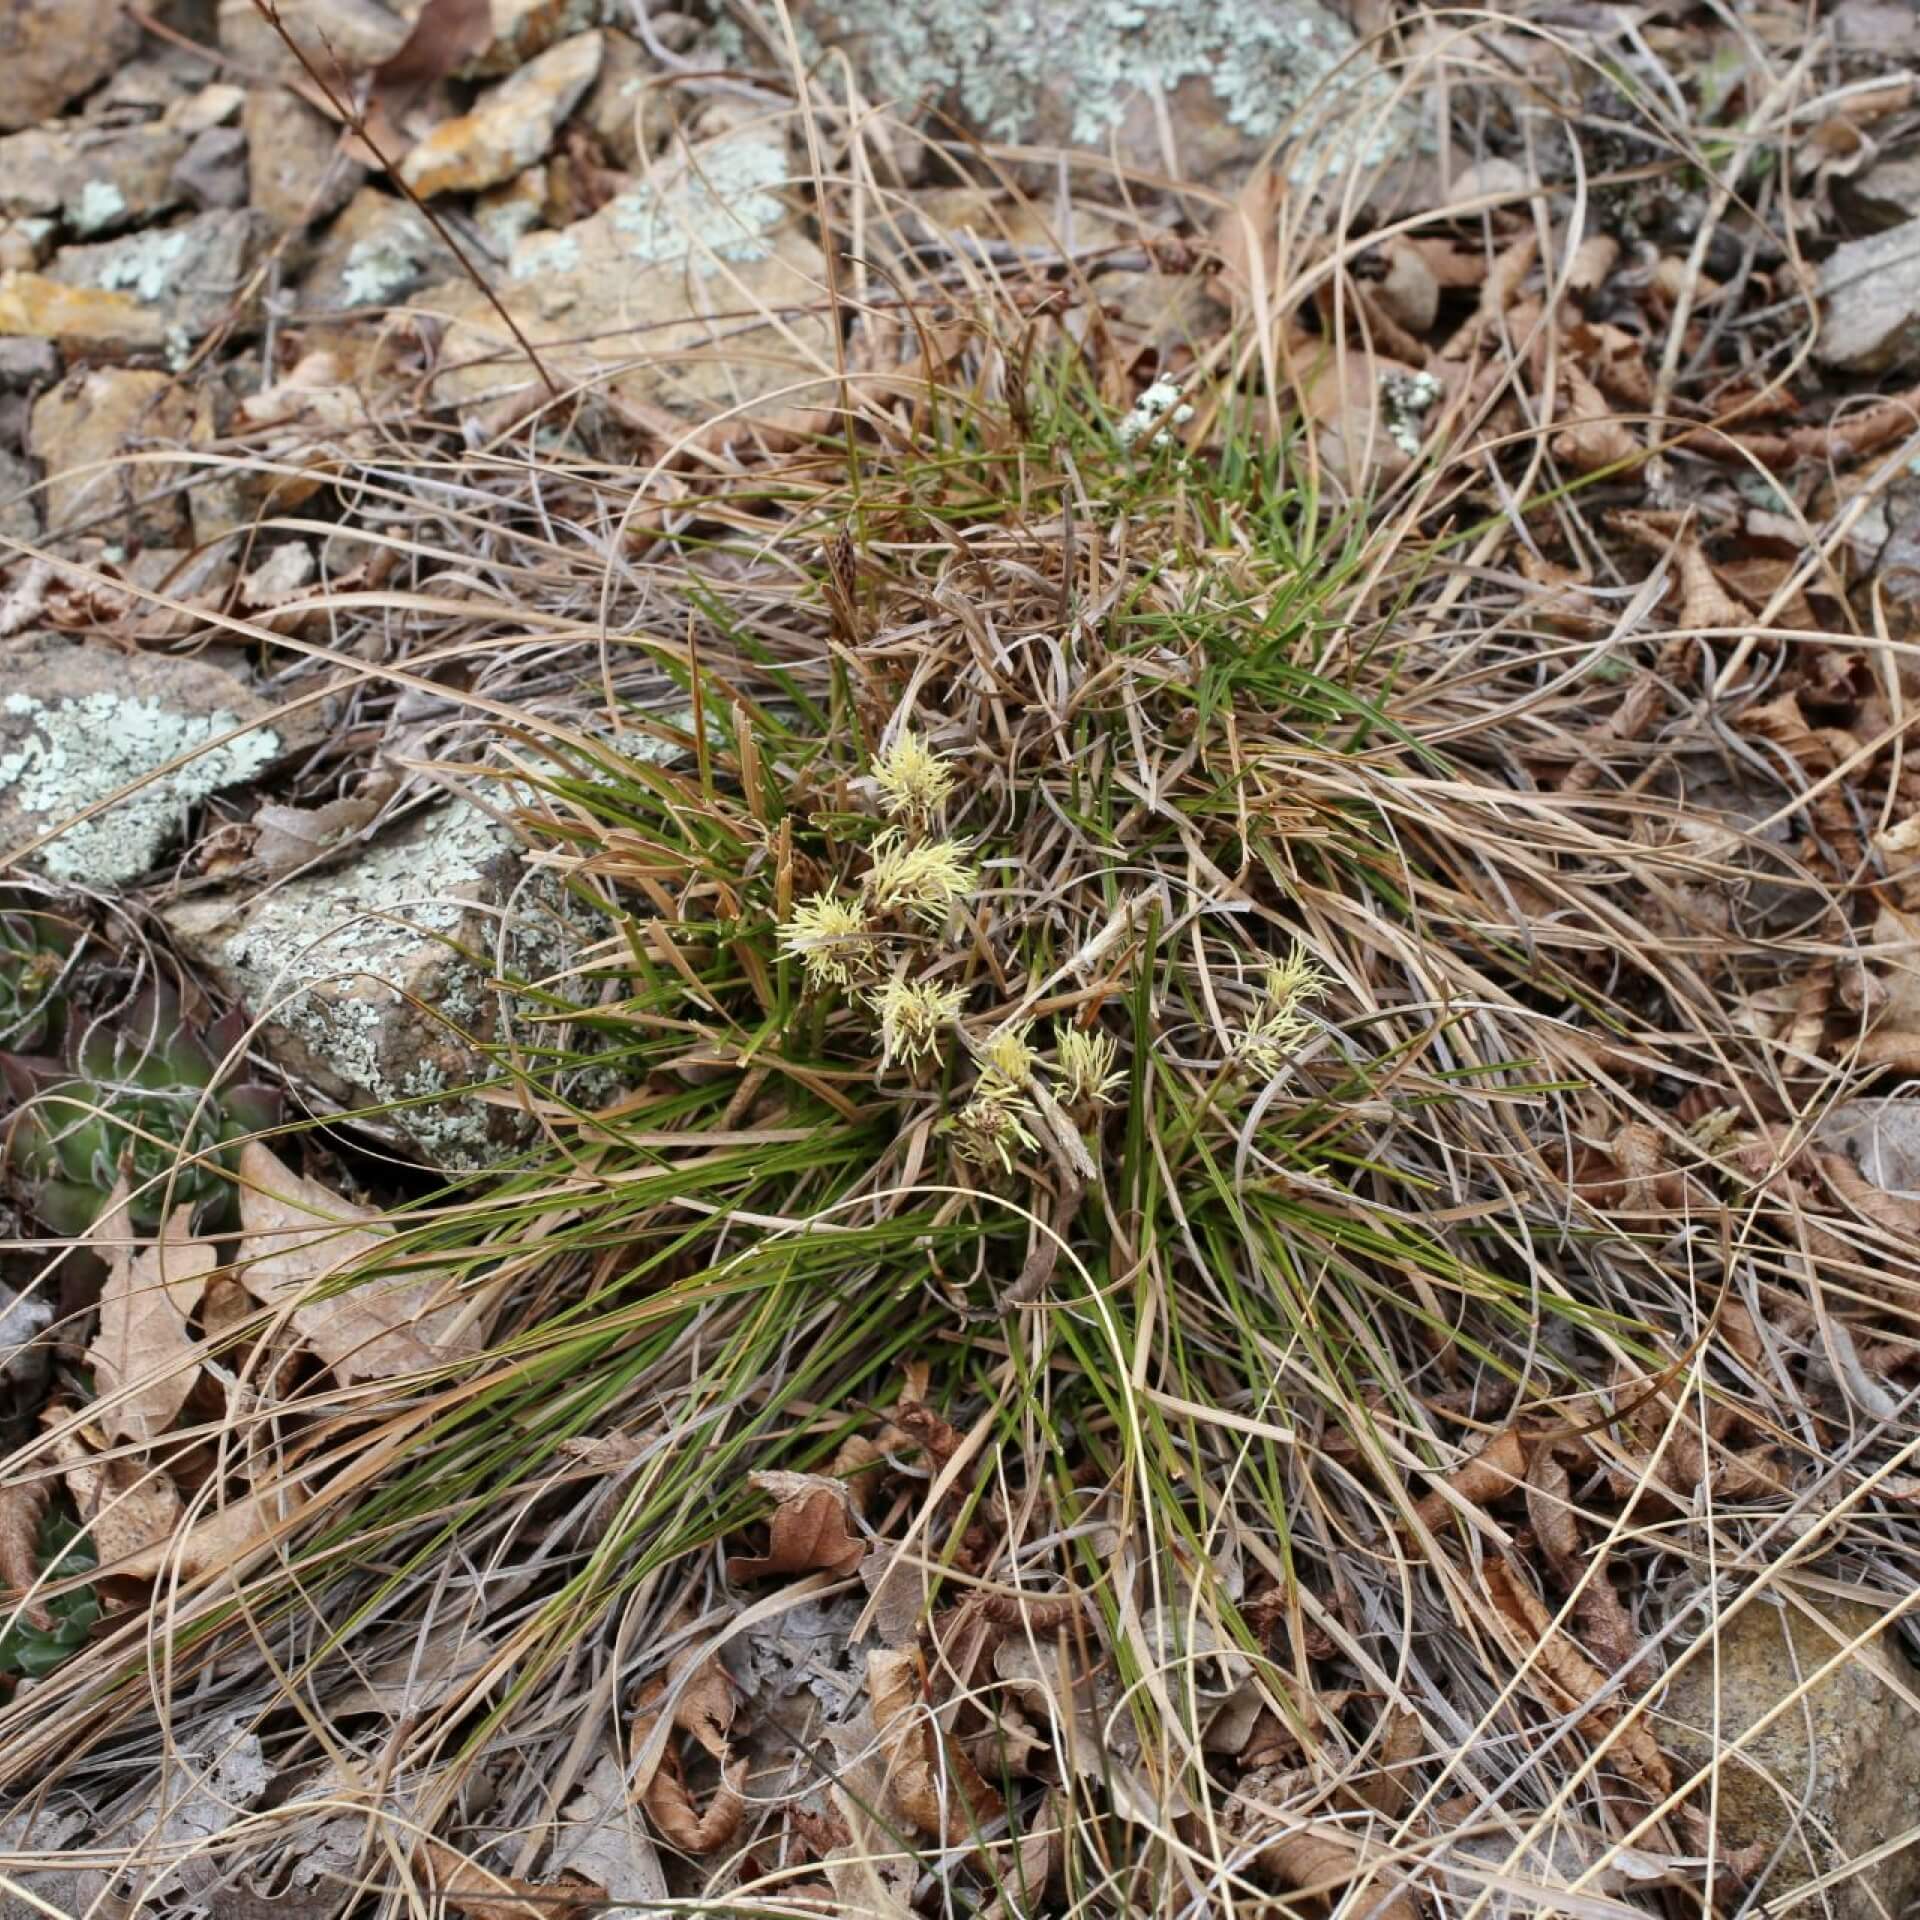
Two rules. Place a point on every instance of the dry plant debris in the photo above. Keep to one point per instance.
(1218, 1172)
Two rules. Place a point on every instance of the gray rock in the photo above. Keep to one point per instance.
(377, 252)
(51, 51)
(186, 276)
(296, 170)
(1831, 1777)
(19, 505)
(78, 724)
(509, 127)
(608, 110)
(1222, 76)
(1870, 290)
(94, 180)
(373, 974)
(1885, 194)
(26, 364)
(213, 171)
(344, 36)
(88, 433)
(641, 295)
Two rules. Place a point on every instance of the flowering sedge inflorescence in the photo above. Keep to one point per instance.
(1280, 1023)
(863, 941)
(996, 1123)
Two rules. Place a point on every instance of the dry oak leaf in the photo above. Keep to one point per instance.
(1316, 1862)
(223, 1540)
(704, 1704)
(811, 1527)
(297, 1237)
(483, 1895)
(21, 1506)
(126, 1505)
(144, 1359)
(1566, 1680)
(931, 1782)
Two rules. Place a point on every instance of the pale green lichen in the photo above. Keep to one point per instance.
(379, 269)
(715, 203)
(343, 960)
(145, 264)
(1265, 60)
(97, 206)
(1410, 398)
(75, 753)
(541, 254)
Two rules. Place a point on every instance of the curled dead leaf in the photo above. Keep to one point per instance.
(298, 1238)
(1317, 1861)
(704, 1703)
(145, 1360)
(932, 1782)
(1492, 1473)
(21, 1506)
(480, 1894)
(1562, 1677)
(811, 1528)
(127, 1506)
(224, 1540)
(289, 838)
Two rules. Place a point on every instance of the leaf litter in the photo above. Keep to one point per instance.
(1256, 1532)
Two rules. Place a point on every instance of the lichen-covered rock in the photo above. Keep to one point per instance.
(187, 276)
(523, 28)
(353, 35)
(695, 294)
(95, 180)
(372, 977)
(83, 322)
(374, 255)
(88, 433)
(1833, 1775)
(19, 504)
(608, 112)
(296, 172)
(509, 127)
(52, 51)
(78, 724)
(1870, 301)
(1220, 78)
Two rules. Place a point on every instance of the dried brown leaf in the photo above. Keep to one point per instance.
(1550, 1511)
(21, 1506)
(1494, 1472)
(472, 1890)
(1316, 1862)
(812, 1527)
(446, 35)
(288, 838)
(297, 1237)
(670, 1807)
(931, 1782)
(1593, 435)
(145, 1360)
(127, 1506)
(224, 1539)
(1567, 1681)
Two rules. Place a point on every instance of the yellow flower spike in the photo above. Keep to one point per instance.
(831, 939)
(914, 781)
(1280, 1025)
(1006, 1057)
(914, 1019)
(991, 1128)
(1086, 1066)
(925, 880)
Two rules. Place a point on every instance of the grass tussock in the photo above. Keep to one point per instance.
(1168, 1252)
